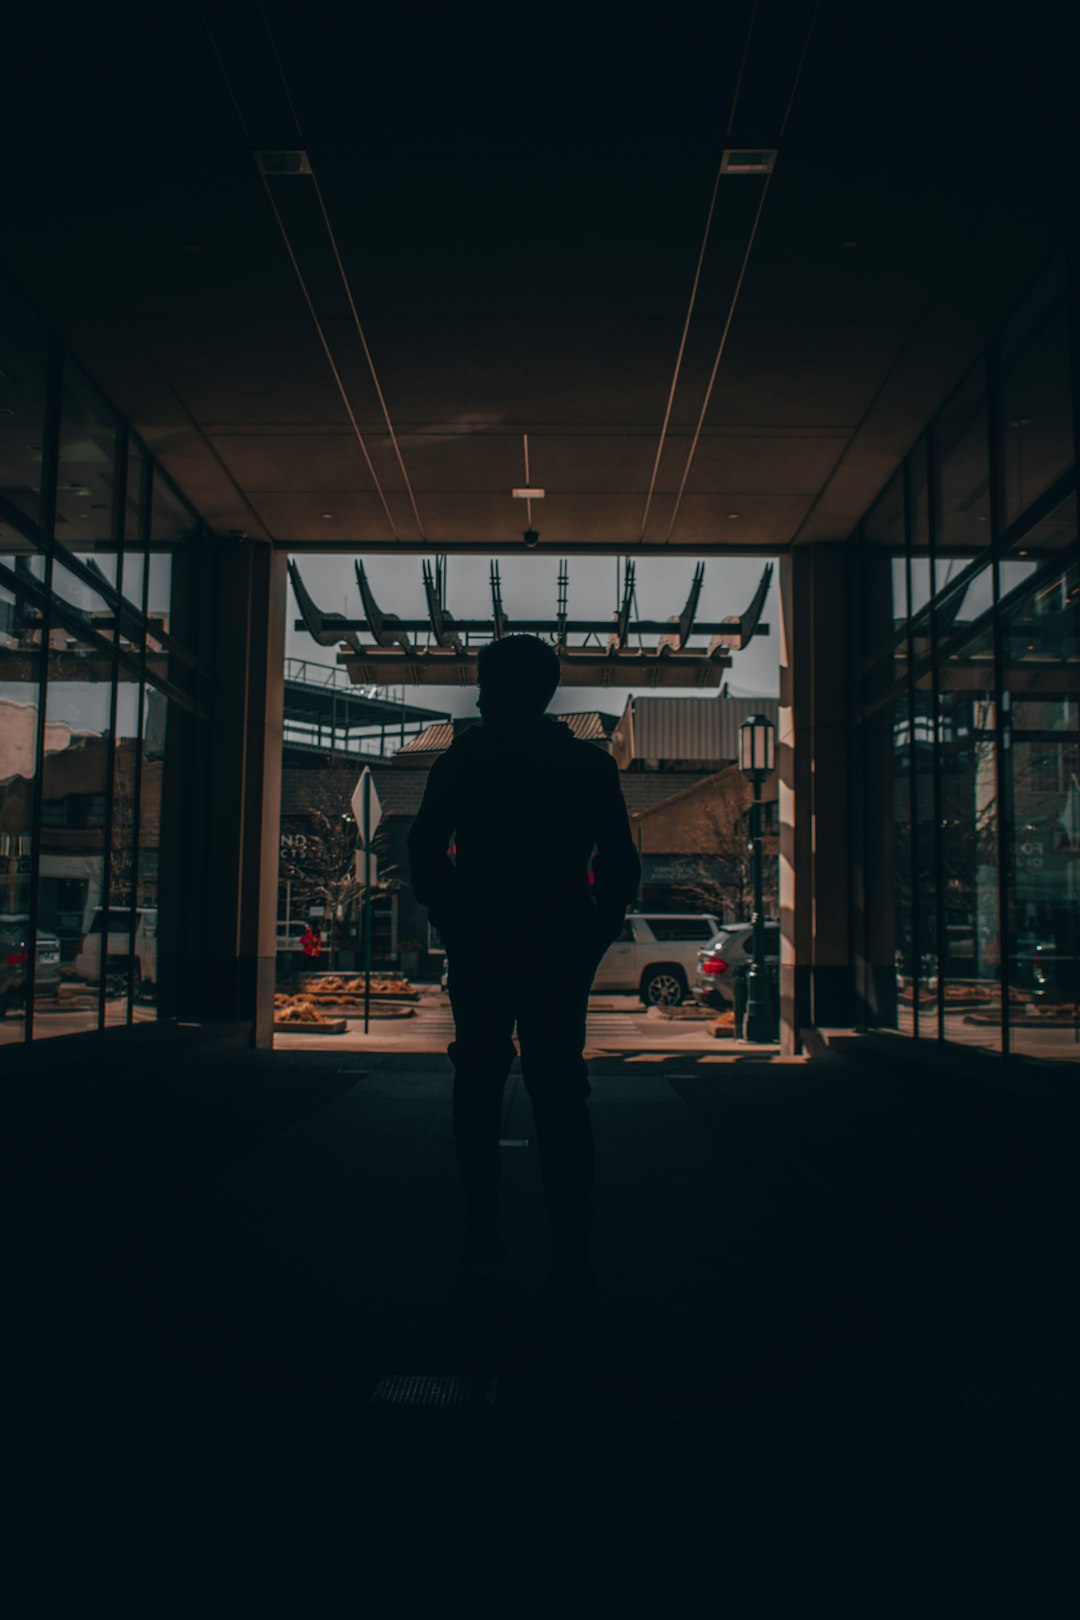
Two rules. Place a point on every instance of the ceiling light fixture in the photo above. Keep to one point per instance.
(328, 514)
(748, 160)
(733, 514)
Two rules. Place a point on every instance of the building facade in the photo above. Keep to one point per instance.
(928, 728)
(964, 674)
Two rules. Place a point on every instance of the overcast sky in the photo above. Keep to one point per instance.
(529, 590)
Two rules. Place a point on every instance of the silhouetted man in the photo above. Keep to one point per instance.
(524, 805)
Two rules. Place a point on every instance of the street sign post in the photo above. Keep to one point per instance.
(365, 785)
(363, 874)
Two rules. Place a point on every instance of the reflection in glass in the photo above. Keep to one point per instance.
(20, 696)
(970, 816)
(86, 475)
(1042, 784)
(171, 563)
(924, 893)
(884, 592)
(123, 835)
(24, 369)
(81, 598)
(135, 533)
(962, 463)
(74, 815)
(1036, 395)
(1053, 533)
(155, 714)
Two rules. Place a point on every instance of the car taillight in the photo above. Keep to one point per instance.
(714, 964)
(16, 960)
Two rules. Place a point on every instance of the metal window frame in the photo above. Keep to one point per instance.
(995, 429)
(50, 461)
(119, 491)
(150, 476)
(913, 797)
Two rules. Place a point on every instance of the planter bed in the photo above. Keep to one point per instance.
(1035, 1020)
(337, 998)
(325, 1026)
(690, 1012)
(345, 990)
(388, 1009)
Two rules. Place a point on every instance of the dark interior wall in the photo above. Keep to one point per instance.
(186, 810)
(243, 766)
(818, 600)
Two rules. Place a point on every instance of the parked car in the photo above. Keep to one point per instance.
(290, 935)
(14, 957)
(1056, 974)
(654, 956)
(713, 984)
(118, 951)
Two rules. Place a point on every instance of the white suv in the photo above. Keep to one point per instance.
(118, 946)
(655, 956)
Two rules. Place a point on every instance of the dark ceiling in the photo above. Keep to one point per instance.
(519, 211)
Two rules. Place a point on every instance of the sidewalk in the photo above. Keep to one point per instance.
(827, 1242)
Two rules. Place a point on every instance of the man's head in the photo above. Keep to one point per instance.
(517, 677)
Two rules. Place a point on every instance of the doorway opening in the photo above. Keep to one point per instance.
(663, 661)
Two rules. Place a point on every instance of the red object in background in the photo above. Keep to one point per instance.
(714, 964)
(311, 942)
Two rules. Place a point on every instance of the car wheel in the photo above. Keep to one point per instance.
(663, 987)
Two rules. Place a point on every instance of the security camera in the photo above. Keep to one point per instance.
(532, 538)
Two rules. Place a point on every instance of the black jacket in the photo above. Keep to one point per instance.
(525, 808)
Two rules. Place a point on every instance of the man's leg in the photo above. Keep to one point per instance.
(551, 1028)
(482, 1052)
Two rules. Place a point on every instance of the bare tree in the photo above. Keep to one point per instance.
(724, 882)
(320, 858)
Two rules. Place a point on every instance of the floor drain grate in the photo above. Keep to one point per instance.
(433, 1389)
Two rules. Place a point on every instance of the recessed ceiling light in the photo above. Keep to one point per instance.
(527, 494)
(328, 514)
(748, 160)
(733, 514)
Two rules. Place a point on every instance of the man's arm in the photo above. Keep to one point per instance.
(616, 867)
(429, 839)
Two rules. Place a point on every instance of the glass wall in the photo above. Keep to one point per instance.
(99, 577)
(971, 893)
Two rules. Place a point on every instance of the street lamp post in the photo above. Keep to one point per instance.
(757, 757)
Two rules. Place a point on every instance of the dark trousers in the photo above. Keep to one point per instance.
(549, 1010)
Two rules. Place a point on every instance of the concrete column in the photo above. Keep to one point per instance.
(245, 783)
(812, 757)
